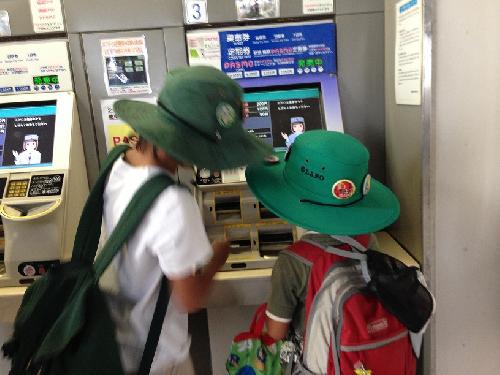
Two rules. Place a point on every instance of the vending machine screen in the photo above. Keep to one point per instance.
(27, 134)
(280, 114)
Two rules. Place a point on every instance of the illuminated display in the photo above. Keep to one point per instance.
(46, 80)
(279, 115)
(27, 134)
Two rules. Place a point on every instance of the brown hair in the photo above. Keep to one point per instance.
(143, 143)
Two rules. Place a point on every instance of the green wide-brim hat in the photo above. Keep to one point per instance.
(322, 184)
(197, 120)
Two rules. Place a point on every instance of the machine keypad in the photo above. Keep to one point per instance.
(17, 188)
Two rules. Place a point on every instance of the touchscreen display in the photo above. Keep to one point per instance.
(281, 114)
(27, 134)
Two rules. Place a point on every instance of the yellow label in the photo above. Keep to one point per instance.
(362, 372)
(119, 134)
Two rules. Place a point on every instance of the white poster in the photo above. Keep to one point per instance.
(408, 52)
(4, 23)
(116, 130)
(255, 9)
(126, 66)
(195, 11)
(204, 48)
(47, 16)
(34, 67)
(317, 6)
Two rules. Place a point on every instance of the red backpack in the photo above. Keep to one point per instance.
(348, 331)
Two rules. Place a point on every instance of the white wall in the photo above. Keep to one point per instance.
(466, 122)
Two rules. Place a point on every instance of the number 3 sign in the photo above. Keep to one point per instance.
(195, 11)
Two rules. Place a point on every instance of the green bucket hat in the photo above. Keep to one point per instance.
(322, 184)
(198, 120)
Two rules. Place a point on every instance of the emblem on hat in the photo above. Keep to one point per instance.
(225, 114)
(367, 184)
(343, 189)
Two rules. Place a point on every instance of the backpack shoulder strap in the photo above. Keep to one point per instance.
(130, 219)
(89, 227)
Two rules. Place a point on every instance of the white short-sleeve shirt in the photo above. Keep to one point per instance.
(170, 240)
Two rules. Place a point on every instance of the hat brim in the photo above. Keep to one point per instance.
(187, 145)
(377, 210)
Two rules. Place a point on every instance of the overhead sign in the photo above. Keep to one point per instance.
(47, 16)
(255, 52)
(317, 6)
(195, 11)
(34, 67)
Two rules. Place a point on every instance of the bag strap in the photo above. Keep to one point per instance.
(130, 219)
(361, 257)
(89, 227)
(259, 319)
(155, 328)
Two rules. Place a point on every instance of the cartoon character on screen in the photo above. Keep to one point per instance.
(30, 154)
(298, 126)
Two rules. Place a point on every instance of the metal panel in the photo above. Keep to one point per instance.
(175, 44)
(19, 15)
(360, 46)
(359, 6)
(225, 10)
(84, 108)
(99, 15)
(95, 72)
(404, 135)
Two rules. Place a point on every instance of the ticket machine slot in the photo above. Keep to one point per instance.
(227, 208)
(265, 213)
(271, 242)
(240, 239)
(28, 211)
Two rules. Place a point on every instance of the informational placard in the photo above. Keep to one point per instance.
(47, 16)
(255, 52)
(278, 51)
(195, 11)
(204, 48)
(4, 23)
(46, 185)
(116, 130)
(317, 6)
(126, 66)
(408, 52)
(256, 9)
(34, 67)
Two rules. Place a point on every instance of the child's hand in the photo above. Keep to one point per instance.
(16, 155)
(221, 251)
(285, 136)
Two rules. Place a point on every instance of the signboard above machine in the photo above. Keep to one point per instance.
(34, 67)
(290, 49)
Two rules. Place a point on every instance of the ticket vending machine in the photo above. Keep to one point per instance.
(288, 73)
(43, 183)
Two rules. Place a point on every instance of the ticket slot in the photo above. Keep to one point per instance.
(240, 239)
(272, 242)
(227, 208)
(265, 213)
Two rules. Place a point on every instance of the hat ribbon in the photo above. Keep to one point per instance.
(332, 204)
(188, 125)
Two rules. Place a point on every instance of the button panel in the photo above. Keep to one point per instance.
(17, 188)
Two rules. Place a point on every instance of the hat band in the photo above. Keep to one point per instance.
(188, 125)
(332, 204)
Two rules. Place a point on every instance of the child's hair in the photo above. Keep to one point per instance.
(142, 144)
